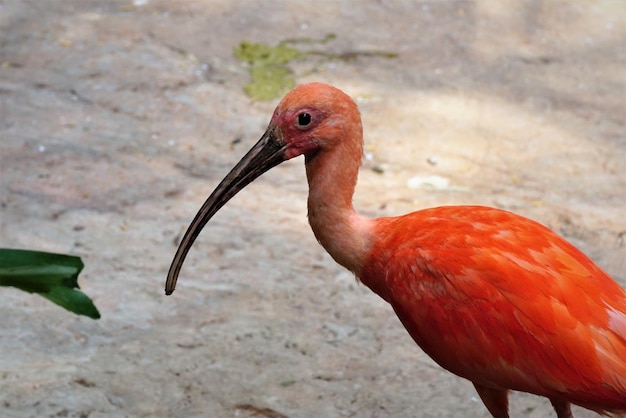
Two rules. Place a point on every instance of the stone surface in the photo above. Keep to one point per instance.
(117, 118)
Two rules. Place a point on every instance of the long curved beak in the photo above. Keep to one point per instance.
(265, 154)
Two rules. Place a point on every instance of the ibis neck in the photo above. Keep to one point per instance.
(337, 226)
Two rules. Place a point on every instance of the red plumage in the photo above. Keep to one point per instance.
(491, 296)
(504, 302)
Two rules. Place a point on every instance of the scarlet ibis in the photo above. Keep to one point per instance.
(491, 296)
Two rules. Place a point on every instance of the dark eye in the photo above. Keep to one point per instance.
(304, 119)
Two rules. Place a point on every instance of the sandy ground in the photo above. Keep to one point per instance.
(118, 118)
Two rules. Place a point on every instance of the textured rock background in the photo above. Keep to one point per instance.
(117, 118)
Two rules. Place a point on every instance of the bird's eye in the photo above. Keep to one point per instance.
(304, 119)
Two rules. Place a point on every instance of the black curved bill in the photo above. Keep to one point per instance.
(265, 154)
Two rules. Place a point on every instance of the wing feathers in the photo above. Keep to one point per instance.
(504, 302)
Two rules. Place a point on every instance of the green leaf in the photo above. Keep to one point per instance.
(53, 276)
(73, 300)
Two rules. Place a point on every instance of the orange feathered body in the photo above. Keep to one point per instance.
(504, 302)
(491, 296)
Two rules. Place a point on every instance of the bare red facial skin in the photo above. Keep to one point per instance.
(297, 129)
